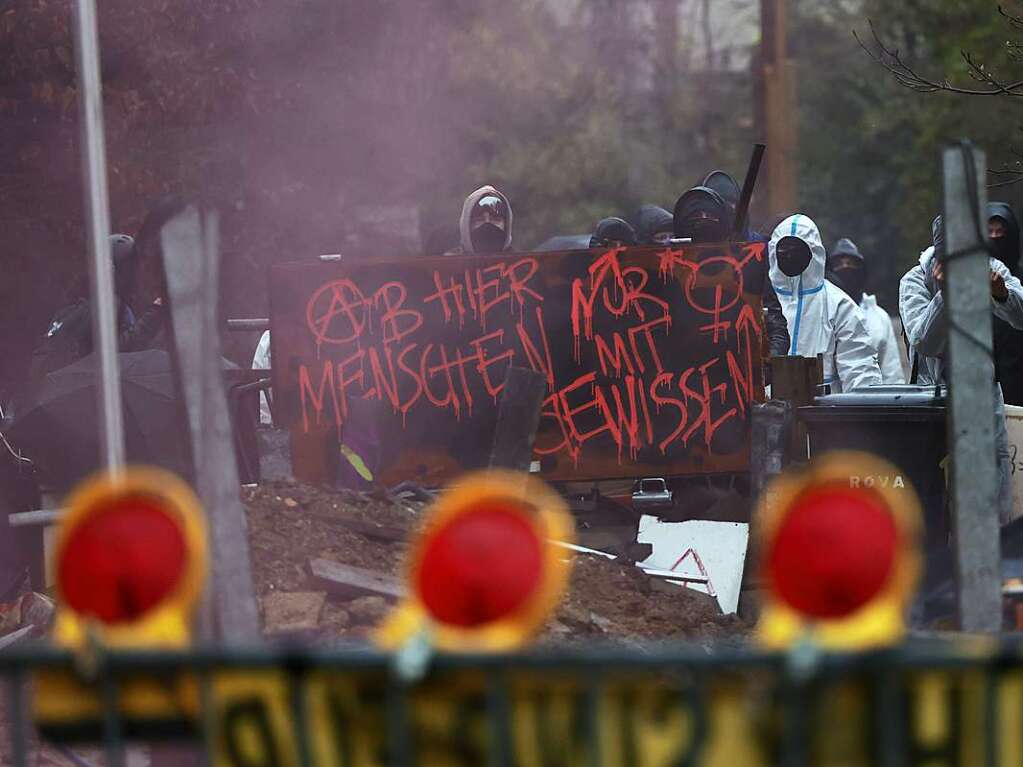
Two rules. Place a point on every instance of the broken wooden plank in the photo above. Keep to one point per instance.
(518, 416)
(347, 582)
(15, 637)
(372, 530)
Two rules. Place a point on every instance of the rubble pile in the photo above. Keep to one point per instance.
(328, 565)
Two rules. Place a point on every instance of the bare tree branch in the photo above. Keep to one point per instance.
(908, 77)
(1018, 178)
(1015, 20)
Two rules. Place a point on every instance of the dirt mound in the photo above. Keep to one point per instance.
(291, 524)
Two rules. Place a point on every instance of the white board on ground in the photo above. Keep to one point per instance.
(716, 550)
(1014, 427)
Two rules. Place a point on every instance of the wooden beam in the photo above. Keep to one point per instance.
(386, 533)
(15, 637)
(347, 582)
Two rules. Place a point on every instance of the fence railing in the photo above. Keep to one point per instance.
(928, 701)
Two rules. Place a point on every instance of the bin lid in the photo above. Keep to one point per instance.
(906, 403)
(891, 396)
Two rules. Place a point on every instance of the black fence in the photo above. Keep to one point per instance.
(931, 701)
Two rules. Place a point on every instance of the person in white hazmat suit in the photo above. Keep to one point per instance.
(922, 306)
(261, 361)
(848, 269)
(821, 317)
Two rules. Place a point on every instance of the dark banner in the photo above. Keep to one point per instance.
(652, 357)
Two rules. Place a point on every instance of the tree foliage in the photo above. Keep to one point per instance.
(292, 117)
(871, 146)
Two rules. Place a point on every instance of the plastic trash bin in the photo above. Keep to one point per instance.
(904, 425)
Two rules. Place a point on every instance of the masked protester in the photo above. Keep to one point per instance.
(822, 319)
(848, 269)
(726, 186)
(922, 306)
(1003, 233)
(653, 225)
(704, 216)
(486, 222)
(69, 336)
(613, 232)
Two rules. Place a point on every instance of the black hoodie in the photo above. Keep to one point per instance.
(701, 199)
(648, 221)
(1007, 253)
(1008, 342)
(612, 229)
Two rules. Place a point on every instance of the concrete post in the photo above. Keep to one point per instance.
(969, 374)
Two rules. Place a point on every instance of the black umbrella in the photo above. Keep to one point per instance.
(59, 431)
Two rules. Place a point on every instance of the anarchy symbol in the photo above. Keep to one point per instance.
(336, 313)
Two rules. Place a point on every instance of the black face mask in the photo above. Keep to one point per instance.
(704, 230)
(851, 279)
(488, 238)
(793, 256)
(1002, 249)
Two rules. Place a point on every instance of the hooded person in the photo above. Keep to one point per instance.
(922, 306)
(69, 335)
(728, 188)
(704, 216)
(1003, 232)
(486, 222)
(822, 318)
(847, 268)
(653, 225)
(612, 231)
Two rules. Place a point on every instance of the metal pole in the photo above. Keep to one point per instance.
(94, 172)
(970, 375)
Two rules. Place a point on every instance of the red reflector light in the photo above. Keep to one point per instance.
(480, 567)
(122, 560)
(833, 551)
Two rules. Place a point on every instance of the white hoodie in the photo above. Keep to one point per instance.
(822, 318)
